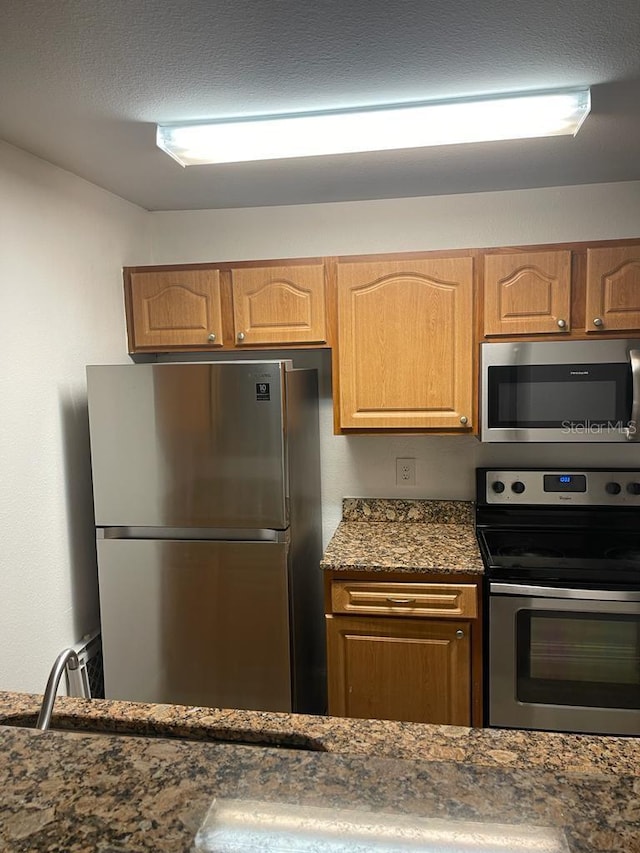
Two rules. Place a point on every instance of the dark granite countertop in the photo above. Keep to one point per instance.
(387, 535)
(74, 791)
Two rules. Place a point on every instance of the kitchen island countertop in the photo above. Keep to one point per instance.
(76, 791)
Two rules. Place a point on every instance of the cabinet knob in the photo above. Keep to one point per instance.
(463, 419)
(459, 634)
(240, 336)
(598, 321)
(562, 324)
(211, 337)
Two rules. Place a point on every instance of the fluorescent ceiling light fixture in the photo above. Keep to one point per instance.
(382, 128)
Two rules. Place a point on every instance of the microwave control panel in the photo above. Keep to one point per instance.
(559, 487)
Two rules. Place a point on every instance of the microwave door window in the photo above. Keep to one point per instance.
(550, 403)
(548, 396)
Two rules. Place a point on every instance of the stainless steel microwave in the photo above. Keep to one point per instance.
(560, 391)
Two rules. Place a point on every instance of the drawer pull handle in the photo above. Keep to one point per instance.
(401, 600)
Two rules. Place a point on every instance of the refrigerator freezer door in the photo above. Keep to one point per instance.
(196, 622)
(189, 445)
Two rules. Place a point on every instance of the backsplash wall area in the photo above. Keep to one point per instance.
(365, 465)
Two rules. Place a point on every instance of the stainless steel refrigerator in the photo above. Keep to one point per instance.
(206, 480)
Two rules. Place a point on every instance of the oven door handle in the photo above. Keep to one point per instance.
(562, 592)
(633, 427)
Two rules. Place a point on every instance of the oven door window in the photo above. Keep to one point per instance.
(590, 659)
(550, 396)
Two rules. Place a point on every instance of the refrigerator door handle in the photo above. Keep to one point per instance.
(193, 534)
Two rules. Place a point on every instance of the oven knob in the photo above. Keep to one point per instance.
(633, 488)
(518, 487)
(498, 487)
(613, 488)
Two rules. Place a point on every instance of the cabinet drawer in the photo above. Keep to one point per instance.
(454, 600)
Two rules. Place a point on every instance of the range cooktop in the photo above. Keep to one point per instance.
(578, 525)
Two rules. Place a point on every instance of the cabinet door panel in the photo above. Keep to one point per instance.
(405, 343)
(176, 308)
(613, 289)
(400, 669)
(527, 293)
(279, 305)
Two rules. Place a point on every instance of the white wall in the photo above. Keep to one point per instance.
(561, 214)
(365, 465)
(63, 242)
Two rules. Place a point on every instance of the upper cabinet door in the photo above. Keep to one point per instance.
(172, 309)
(527, 293)
(613, 289)
(279, 305)
(406, 344)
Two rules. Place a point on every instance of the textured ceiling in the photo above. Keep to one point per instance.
(83, 83)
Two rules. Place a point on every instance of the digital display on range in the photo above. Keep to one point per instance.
(565, 483)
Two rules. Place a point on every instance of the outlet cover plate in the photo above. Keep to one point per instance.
(405, 472)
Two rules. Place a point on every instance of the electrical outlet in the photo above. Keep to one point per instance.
(405, 472)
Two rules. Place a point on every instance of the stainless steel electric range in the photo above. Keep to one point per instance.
(561, 550)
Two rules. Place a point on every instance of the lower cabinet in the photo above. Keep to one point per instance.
(407, 649)
(417, 670)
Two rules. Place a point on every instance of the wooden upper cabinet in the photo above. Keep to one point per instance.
(613, 289)
(405, 354)
(279, 305)
(527, 293)
(175, 309)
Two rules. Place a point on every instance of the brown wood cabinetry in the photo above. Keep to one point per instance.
(577, 291)
(279, 305)
(613, 289)
(527, 293)
(404, 650)
(399, 669)
(225, 306)
(403, 328)
(374, 598)
(405, 343)
(174, 309)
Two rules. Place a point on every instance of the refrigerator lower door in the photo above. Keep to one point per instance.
(196, 622)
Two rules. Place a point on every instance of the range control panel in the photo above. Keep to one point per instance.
(553, 487)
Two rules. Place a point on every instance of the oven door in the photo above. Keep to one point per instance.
(567, 391)
(564, 659)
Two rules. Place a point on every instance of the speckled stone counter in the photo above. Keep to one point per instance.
(64, 791)
(498, 748)
(380, 535)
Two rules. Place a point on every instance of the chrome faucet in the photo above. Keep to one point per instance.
(66, 656)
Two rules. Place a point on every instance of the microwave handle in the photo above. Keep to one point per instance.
(633, 430)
